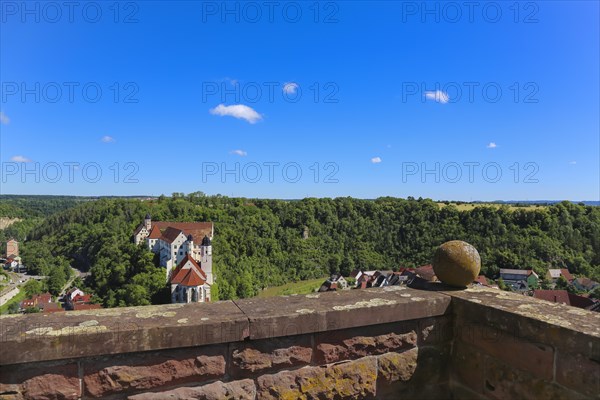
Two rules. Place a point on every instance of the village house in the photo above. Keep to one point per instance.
(482, 280)
(564, 297)
(75, 299)
(585, 284)
(553, 274)
(12, 248)
(185, 251)
(37, 301)
(520, 279)
(335, 282)
(43, 302)
(11, 264)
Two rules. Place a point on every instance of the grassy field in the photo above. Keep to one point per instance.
(17, 299)
(469, 206)
(303, 287)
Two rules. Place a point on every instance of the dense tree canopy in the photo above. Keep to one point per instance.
(261, 243)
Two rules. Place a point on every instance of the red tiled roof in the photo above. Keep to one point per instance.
(155, 233)
(86, 298)
(482, 279)
(562, 296)
(426, 272)
(565, 272)
(44, 298)
(192, 279)
(52, 307)
(28, 303)
(197, 229)
(179, 274)
(170, 234)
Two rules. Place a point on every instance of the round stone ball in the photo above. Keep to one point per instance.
(456, 263)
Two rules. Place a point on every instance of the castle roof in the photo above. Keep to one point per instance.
(193, 276)
(166, 230)
(170, 234)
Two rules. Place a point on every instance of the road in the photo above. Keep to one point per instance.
(15, 282)
(76, 273)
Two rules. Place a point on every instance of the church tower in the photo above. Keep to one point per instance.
(148, 222)
(206, 259)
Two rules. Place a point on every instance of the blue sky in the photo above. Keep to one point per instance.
(381, 98)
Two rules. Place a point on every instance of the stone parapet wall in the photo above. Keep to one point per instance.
(508, 347)
(391, 343)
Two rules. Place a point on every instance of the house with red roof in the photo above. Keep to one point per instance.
(40, 301)
(175, 241)
(585, 284)
(75, 298)
(553, 275)
(564, 297)
(519, 280)
(189, 283)
(12, 248)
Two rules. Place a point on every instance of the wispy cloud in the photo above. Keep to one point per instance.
(238, 111)
(438, 96)
(290, 88)
(240, 153)
(108, 139)
(231, 81)
(4, 120)
(492, 145)
(572, 162)
(376, 160)
(20, 159)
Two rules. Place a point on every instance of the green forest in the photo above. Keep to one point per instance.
(262, 243)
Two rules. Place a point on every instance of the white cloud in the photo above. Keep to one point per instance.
(290, 87)
(492, 145)
(20, 159)
(238, 111)
(438, 96)
(4, 120)
(376, 160)
(108, 139)
(240, 153)
(572, 162)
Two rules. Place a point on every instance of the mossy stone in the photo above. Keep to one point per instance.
(456, 263)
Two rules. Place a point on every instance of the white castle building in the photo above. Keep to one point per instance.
(185, 250)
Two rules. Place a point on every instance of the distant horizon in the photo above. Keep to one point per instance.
(142, 196)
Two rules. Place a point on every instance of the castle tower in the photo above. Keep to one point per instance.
(12, 248)
(148, 222)
(190, 246)
(206, 259)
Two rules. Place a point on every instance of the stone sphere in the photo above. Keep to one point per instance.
(456, 263)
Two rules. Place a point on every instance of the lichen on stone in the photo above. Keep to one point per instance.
(365, 304)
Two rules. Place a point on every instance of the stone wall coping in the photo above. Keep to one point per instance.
(78, 334)
(92, 333)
